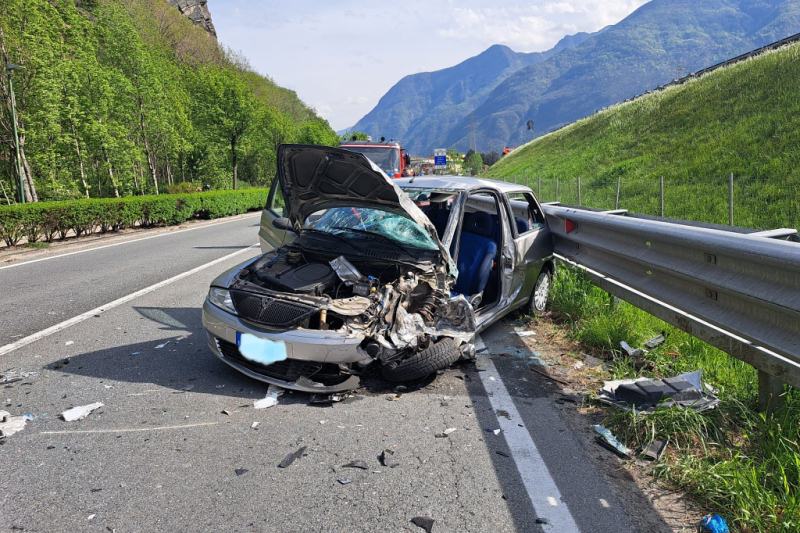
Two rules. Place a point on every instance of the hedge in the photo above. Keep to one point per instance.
(53, 220)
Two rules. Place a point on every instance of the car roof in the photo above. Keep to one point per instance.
(459, 183)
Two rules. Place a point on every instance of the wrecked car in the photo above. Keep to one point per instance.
(359, 269)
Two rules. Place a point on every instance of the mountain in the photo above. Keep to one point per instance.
(742, 119)
(488, 99)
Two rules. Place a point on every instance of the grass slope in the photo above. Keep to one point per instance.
(744, 119)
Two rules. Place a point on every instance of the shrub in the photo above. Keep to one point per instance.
(48, 220)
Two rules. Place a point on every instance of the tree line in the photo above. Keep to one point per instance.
(125, 97)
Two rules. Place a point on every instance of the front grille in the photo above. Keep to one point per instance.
(268, 310)
(287, 370)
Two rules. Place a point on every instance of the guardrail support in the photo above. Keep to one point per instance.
(661, 181)
(619, 186)
(579, 191)
(730, 200)
(770, 392)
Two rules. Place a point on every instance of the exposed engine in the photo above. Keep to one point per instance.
(394, 305)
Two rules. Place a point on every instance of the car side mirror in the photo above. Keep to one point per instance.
(283, 223)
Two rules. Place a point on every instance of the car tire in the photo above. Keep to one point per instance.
(541, 293)
(423, 363)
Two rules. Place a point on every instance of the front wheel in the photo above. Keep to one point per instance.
(423, 363)
(541, 293)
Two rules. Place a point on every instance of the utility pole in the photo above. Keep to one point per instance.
(10, 68)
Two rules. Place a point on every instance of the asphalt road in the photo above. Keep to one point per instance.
(162, 455)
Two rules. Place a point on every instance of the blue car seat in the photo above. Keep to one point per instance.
(477, 253)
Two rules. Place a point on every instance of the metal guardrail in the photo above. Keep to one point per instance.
(738, 292)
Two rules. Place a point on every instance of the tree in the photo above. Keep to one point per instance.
(473, 163)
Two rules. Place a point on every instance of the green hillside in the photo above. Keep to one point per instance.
(129, 97)
(743, 119)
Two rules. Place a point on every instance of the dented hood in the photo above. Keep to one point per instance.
(314, 178)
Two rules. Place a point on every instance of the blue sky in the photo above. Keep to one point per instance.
(341, 56)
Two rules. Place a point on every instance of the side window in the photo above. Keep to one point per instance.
(527, 216)
(275, 201)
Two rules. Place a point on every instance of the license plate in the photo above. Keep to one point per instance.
(258, 350)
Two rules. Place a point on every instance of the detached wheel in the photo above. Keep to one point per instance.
(421, 364)
(541, 292)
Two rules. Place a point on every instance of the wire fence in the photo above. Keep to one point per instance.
(747, 202)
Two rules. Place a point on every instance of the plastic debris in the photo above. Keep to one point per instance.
(270, 400)
(445, 433)
(542, 520)
(292, 457)
(241, 471)
(12, 424)
(69, 343)
(254, 425)
(655, 342)
(358, 463)
(423, 522)
(496, 431)
(385, 458)
(526, 333)
(655, 450)
(713, 523)
(632, 352)
(226, 412)
(80, 412)
(607, 439)
(159, 346)
(344, 480)
(644, 394)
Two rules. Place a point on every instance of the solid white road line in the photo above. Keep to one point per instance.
(539, 484)
(92, 249)
(116, 303)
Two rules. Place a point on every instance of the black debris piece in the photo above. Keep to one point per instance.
(95, 490)
(635, 353)
(541, 520)
(292, 457)
(503, 413)
(358, 463)
(655, 342)
(423, 522)
(684, 390)
(320, 399)
(655, 450)
(344, 480)
(241, 471)
(385, 458)
(502, 453)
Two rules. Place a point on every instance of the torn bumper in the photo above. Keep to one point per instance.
(313, 356)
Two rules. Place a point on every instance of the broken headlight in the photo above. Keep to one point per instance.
(222, 299)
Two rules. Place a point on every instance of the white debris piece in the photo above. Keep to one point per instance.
(526, 333)
(270, 400)
(158, 347)
(69, 343)
(80, 412)
(449, 431)
(496, 431)
(254, 425)
(11, 424)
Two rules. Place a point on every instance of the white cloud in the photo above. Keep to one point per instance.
(342, 56)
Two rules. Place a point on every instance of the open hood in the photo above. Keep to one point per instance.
(314, 178)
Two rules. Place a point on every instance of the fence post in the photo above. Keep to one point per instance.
(619, 186)
(662, 196)
(730, 200)
(770, 392)
(579, 191)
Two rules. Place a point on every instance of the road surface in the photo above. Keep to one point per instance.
(174, 447)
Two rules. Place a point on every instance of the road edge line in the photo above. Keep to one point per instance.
(8, 348)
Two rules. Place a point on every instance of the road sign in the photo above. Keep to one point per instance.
(440, 159)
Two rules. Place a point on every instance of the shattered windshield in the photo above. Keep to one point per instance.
(360, 221)
(388, 159)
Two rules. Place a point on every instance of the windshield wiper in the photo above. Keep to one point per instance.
(329, 234)
(376, 234)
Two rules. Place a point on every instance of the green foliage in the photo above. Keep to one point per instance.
(734, 460)
(744, 119)
(122, 98)
(48, 221)
(473, 163)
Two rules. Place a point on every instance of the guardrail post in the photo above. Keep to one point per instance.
(539, 190)
(579, 191)
(619, 186)
(558, 192)
(770, 392)
(662, 196)
(730, 200)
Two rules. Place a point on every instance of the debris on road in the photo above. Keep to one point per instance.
(423, 522)
(12, 424)
(254, 425)
(501, 453)
(503, 413)
(241, 471)
(159, 346)
(713, 523)
(344, 480)
(358, 463)
(385, 458)
(655, 342)
(607, 439)
(542, 520)
(292, 457)
(225, 412)
(271, 399)
(655, 450)
(69, 343)
(80, 412)
(644, 394)
(445, 433)
(525, 333)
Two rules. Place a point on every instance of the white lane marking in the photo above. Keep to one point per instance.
(116, 303)
(539, 484)
(126, 430)
(92, 249)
